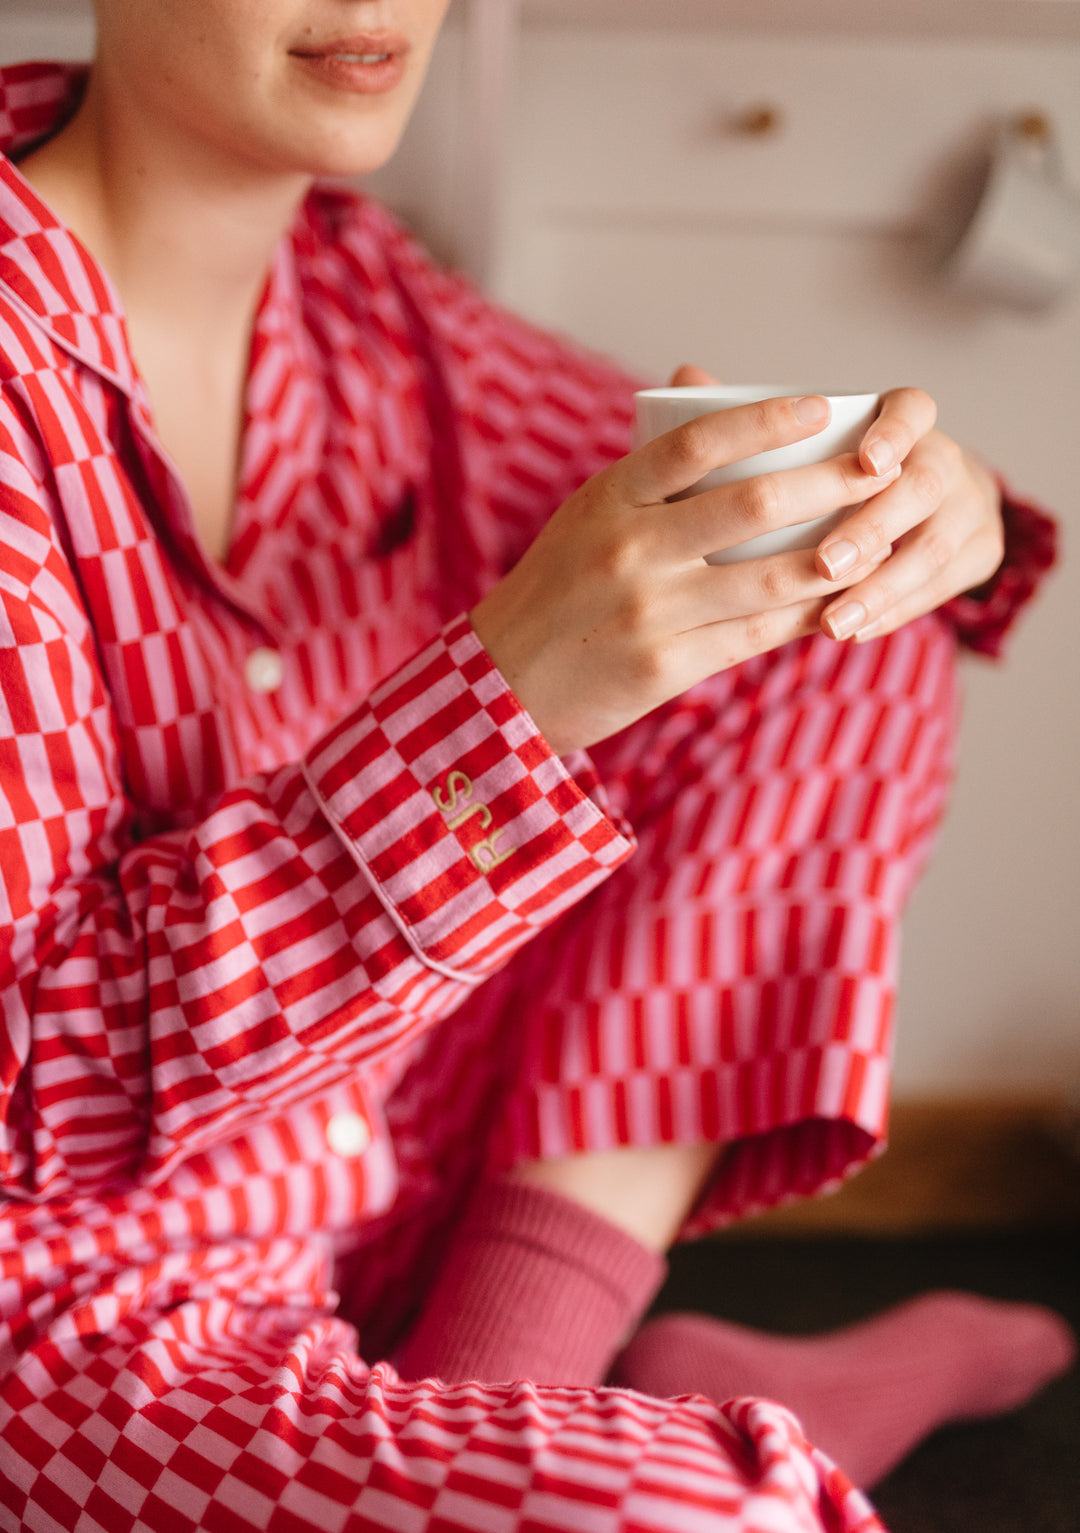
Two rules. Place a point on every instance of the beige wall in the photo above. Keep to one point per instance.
(632, 219)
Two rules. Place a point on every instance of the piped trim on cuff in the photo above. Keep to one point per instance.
(471, 832)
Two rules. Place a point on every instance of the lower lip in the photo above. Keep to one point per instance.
(351, 76)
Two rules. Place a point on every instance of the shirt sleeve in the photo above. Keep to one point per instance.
(984, 616)
(162, 991)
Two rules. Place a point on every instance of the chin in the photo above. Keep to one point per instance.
(355, 149)
(303, 156)
(345, 163)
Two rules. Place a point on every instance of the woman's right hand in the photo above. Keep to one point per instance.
(612, 610)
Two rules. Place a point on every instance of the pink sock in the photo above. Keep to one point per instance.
(534, 1286)
(868, 1393)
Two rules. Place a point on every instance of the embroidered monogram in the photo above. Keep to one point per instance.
(453, 802)
(485, 856)
(459, 819)
(448, 802)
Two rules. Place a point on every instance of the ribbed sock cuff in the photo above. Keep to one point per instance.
(533, 1286)
(561, 1228)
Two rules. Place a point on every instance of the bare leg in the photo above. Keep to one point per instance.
(646, 1191)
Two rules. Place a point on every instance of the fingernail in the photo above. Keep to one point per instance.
(882, 455)
(812, 410)
(838, 558)
(844, 620)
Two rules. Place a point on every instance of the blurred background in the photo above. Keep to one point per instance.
(762, 190)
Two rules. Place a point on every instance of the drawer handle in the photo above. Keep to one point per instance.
(1033, 125)
(1035, 130)
(761, 121)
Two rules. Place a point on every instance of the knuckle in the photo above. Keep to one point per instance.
(760, 501)
(939, 552)
(620, 577)
(925, 483)
(882, 595)
(912, 397)
(990, 551)
(872, 534)
(690, 449)
(851, 476)
(621, 570)
(919, 396)
(634, 610)
(647, 666)
(778, 582)
(615, 562)
(759, 630)
(762, 417)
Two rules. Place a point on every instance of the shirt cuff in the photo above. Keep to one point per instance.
(983, 617)
(472, 833)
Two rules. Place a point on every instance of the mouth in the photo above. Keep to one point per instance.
(367, 65)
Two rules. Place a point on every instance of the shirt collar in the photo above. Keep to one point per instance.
(47, 272)
(53, 277)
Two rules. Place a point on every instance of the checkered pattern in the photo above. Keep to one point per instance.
(287, 964)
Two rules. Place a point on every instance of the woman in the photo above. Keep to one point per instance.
(336, 1030)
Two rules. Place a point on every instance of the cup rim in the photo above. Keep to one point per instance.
(750, 393)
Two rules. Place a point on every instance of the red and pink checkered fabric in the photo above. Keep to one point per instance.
(304, 927)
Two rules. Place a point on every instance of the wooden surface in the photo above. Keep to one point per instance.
(952, 1166)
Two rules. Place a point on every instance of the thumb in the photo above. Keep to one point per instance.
(688, 377)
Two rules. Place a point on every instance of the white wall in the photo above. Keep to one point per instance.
(804, 257)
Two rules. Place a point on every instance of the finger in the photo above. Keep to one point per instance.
(975, 563)
(927, 569)
(915, 493)
(671, 463)
(689, 377)
(906, 415)
(710, 593)
(717, 646)
(725, 517)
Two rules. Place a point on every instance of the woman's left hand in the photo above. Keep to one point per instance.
(942, 519)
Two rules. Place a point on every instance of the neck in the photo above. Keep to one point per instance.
(163, 216)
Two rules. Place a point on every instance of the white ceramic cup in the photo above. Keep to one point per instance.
(660, 410)
(1020, 243)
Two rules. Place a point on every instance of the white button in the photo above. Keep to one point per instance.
(348, 1134)
(263, 670)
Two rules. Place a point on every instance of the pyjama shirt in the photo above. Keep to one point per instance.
(305, 927)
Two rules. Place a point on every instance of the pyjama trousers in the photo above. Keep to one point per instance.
(213, 1352)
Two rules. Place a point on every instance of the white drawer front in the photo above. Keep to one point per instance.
(638, 125)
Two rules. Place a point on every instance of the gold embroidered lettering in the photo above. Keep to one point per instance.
(485, 857)
(459, 819)
(453, 802)
(456, 783)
